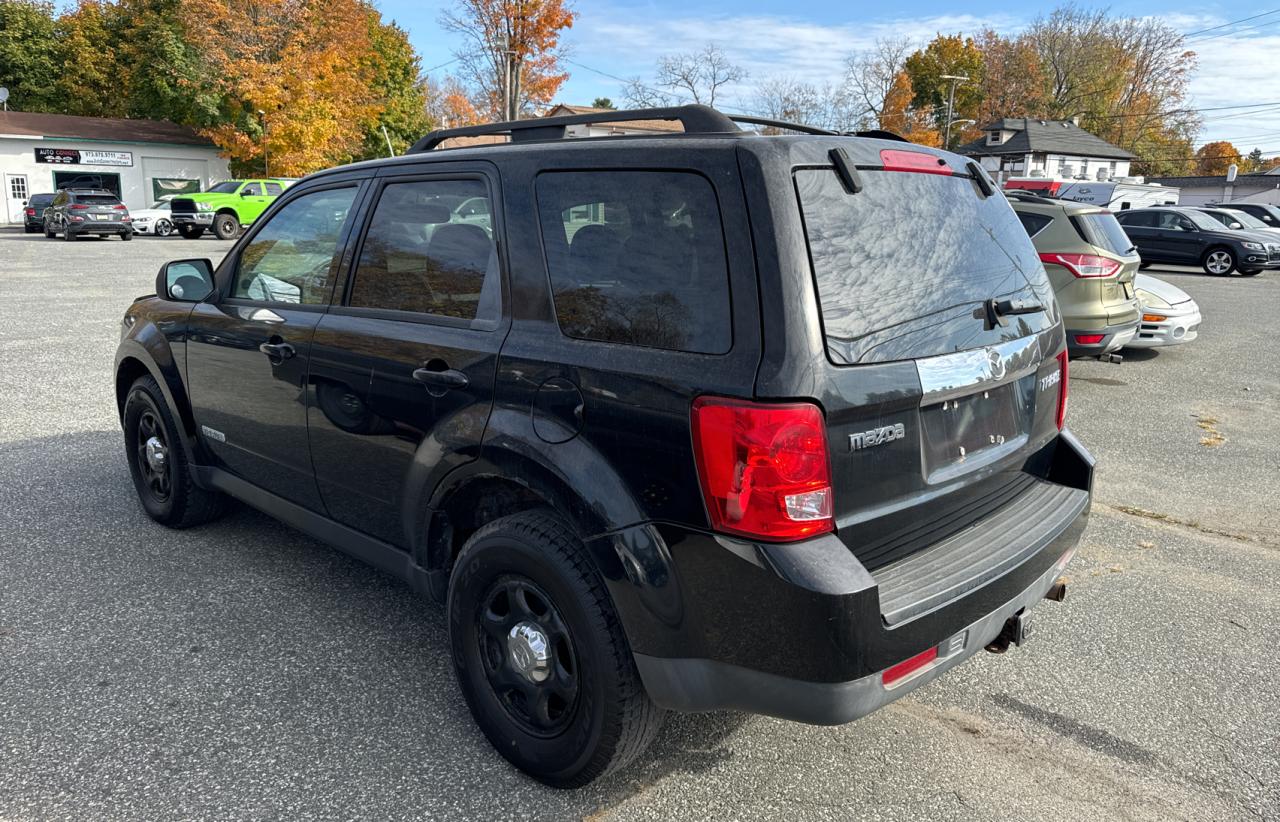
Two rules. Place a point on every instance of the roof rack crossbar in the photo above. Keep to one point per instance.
(696, 119)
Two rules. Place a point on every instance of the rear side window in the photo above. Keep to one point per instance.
(1104, 231)
(1033, 223)
(906, 254)
(420, 255)
(637, 257)
(1139, 219)
(274, 189)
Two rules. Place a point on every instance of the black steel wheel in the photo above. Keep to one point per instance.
(162, 477)
(540, 654)
(226, 226)
(528, 656)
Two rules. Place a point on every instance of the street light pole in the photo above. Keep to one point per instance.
(951, 105)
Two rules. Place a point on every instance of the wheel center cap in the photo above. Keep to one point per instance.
(529, 651)
(157, 454)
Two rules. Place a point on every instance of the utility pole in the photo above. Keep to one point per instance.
(951, 105)
(510, 78)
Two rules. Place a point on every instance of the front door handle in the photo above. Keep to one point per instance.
(446, 379)
(278, 352)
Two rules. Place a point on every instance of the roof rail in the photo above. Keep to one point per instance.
(696, 119)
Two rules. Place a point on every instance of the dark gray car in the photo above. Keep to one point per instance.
(1186, 236)
(81, 211)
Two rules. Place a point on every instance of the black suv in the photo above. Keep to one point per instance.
(685, 422)
(76, 212)
(33, 212)
(1185, 236)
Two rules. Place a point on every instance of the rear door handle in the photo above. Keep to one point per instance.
(449, 378)
(278, 352)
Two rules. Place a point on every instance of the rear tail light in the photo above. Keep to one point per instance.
(895, 674)
(119, 207)
(1083, 265)
(31, 212)
(78, 207)
(1062, 389)
(1089, 339)
(764, 468)
(918, 161)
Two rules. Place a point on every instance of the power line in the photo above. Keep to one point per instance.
(442, 65)
(1232, 23)
(1237, 31)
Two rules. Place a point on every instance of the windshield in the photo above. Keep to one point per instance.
(901, 265)
(1202, 221)
(227, 187)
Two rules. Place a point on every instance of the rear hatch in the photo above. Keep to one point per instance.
(1101, 230)
(933, 405)
(99, 208)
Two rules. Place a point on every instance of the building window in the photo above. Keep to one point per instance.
(164, 188)
(18, 188)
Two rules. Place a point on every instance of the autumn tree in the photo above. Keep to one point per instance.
(946, 55)
(901, 116)
(29, 54)
(793, 101)
(1013, 82)
(512, 52)
(449, 105)
(395, 87)
(699, 76)
(870, 76)
(1212, 159)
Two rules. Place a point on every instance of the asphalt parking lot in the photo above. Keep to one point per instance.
(242, 670)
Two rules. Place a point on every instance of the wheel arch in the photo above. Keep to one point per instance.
(136, 359)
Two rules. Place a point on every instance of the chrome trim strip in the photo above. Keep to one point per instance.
(954, 375)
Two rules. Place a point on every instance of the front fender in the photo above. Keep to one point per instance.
(148, 346)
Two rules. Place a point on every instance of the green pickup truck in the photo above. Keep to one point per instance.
(226, 207)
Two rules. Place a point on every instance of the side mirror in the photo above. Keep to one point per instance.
(185, 281)
(1236, 225)
(244, 192)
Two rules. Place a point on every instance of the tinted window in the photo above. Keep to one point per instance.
(1198, 219)
(40, 200)
(252, 189)
(1243, 218)
(228, 187)
(96, 199)
(274, 189)
(293, 258)
(1142, 219)
(1102, 229)
(906, 253)
(637, 257)
(418, 256)
(1033, 223)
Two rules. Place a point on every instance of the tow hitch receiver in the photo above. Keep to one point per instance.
(1017, 630)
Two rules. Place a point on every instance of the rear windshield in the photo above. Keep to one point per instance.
(96, 199)
(906, 253)
(1104, 230)
(40, 199)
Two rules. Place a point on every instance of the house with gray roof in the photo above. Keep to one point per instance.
(1027, 147)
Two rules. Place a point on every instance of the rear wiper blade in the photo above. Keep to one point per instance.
(993, 311)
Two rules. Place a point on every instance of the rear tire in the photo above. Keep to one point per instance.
(590, 715)
(127, 235)
(226, 226)
(163, 228)
(67, 235)
(1218, 262)
(165, 483)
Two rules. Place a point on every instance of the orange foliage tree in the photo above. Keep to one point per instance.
(289, 87)
(901, 116)
(526, 30)
(1213, 158)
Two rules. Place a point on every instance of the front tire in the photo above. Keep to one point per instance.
(1218, 262)
(49, 233)
(163, 228)
(161, 474)
(67, 235)
(126, 235)
(1250, 272)
(540, 654)
(226, 226)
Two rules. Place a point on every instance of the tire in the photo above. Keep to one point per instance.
(26, 229)
(1250, 272)
(530, 569)
(189, 231)
(166, 487)
(50, 233)
(126, 236)
(163, 228)
(67, 235)
(1218, 262)
(226, 226)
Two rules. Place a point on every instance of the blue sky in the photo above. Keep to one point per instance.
(808, 41)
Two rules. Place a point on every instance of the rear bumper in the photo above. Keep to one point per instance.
(799, 631)
(1114, 337)
(99, 228)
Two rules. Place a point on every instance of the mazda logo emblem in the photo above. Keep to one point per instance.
(997, 365)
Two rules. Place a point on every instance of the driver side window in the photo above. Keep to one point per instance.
(293, 259)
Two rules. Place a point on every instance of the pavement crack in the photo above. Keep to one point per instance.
(1195, 525)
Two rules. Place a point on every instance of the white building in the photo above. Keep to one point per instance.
(1060, 149)
(1263, 187)
(140, 160)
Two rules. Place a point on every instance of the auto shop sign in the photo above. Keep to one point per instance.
(81, 157)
